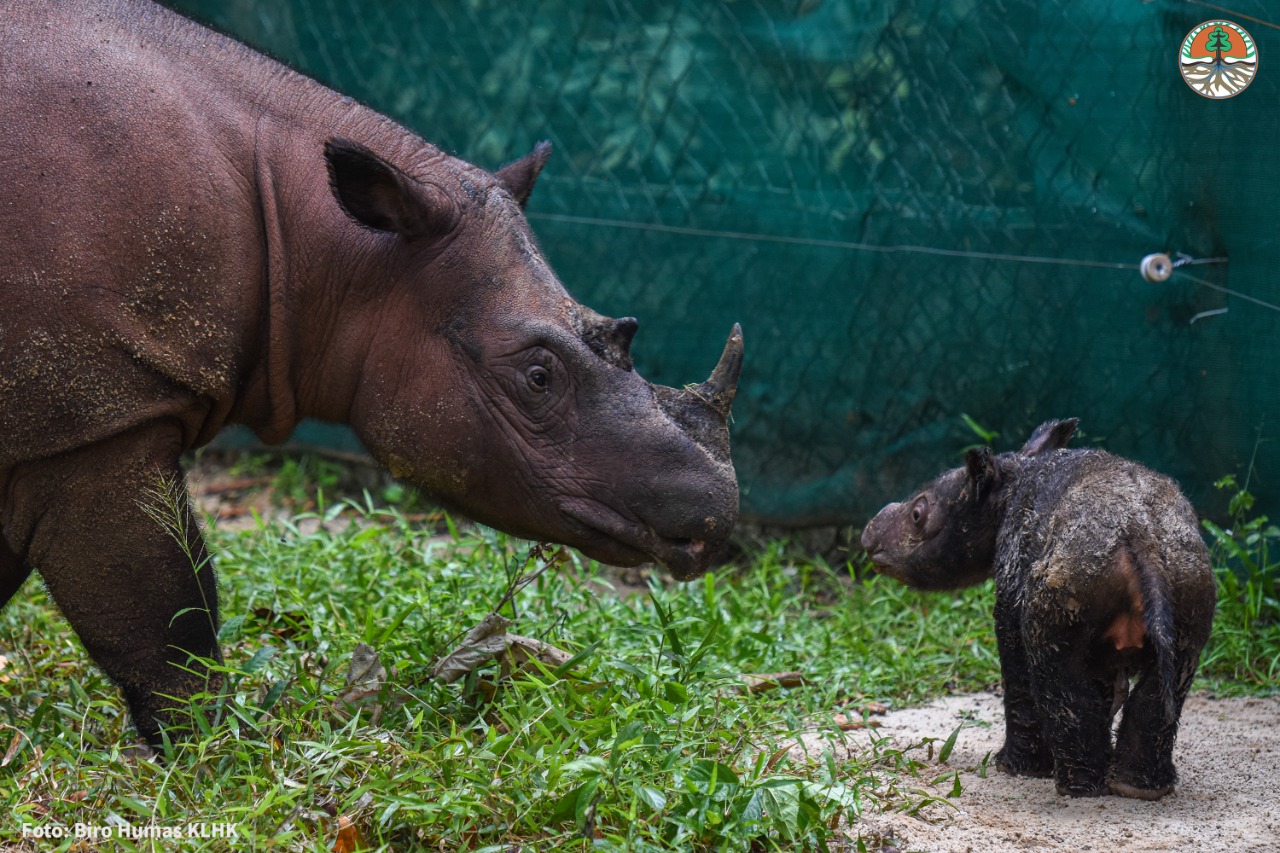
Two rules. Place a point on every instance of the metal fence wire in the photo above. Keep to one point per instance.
(917, 210)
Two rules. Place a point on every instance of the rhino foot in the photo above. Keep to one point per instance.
(1085, 790)
(1124, 789)
(1037, 764)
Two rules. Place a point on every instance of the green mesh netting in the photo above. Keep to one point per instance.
(785, 164)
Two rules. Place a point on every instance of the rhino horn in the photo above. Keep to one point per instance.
(608, 338)
(718, 391)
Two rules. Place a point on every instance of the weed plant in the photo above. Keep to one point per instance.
(1243, 655)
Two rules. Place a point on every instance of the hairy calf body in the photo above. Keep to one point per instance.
(1102, 581)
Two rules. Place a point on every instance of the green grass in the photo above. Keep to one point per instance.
(641, 742)
(1243, 655)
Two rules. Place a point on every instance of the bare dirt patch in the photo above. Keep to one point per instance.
(1227, 797)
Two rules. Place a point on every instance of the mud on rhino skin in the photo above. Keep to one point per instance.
(1102, 582)
(196, 236)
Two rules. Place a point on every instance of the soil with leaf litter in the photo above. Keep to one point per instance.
(1227, 797)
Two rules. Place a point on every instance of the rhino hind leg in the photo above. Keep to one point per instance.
(110, 530)
(1075, 707)
(1077, 713)
(1142, 767)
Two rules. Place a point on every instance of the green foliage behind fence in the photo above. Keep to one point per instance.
(794, 165)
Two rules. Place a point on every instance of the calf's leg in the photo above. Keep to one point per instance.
(1076, 708)
(1025, 751)
(1142, 767)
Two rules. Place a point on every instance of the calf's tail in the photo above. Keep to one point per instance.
(1157, 617)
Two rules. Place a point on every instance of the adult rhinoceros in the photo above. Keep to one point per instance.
(192, 235)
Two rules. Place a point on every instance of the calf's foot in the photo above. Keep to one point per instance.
(1016, 761)
(1124, 789)
(1082, 788)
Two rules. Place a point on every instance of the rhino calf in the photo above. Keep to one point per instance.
(1101, 578)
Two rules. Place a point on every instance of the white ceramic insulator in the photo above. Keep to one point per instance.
(1156, 268)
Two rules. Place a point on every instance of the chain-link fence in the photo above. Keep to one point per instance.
(915, 209)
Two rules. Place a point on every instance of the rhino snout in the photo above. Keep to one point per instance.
(872, 540)
(687, 549)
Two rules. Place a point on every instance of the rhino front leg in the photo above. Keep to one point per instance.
(13, 571)
(110, 530)
(1025, 752)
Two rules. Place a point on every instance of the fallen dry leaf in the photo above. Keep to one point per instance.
(284, 624)
(777, 756)
(365, 679)
(481, 645)
(771, 681)
(846, 723)
(520, 650)
(38, 807)
(348, 840)
(490, 641)
(18, 738)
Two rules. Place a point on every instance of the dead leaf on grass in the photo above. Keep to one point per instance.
(489, 641)
(286, 625)
(847, 723)
(777, 756)
(771, 681)
(520, 650)
(349, 840)
(366, 677)
(481, 645)
(14, 745)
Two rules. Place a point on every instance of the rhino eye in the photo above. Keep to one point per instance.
(538, 377)
(920, 511)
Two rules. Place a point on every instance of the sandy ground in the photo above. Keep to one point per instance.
(1227, 797)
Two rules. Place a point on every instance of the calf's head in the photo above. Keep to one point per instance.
(484, 383)
(945, 535)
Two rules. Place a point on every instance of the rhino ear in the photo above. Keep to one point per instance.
(983, 469)
(375, 193)
(1050, 435)
(518, 177)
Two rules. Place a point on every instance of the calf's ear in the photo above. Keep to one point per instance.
(519, 177)
(984, 471)
(1050, 435)
(379, 196)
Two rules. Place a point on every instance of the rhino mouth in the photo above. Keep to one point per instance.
(885, 564)
(619, 541)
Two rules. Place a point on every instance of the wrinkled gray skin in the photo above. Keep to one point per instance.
(1101, 579)
(192, 236)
